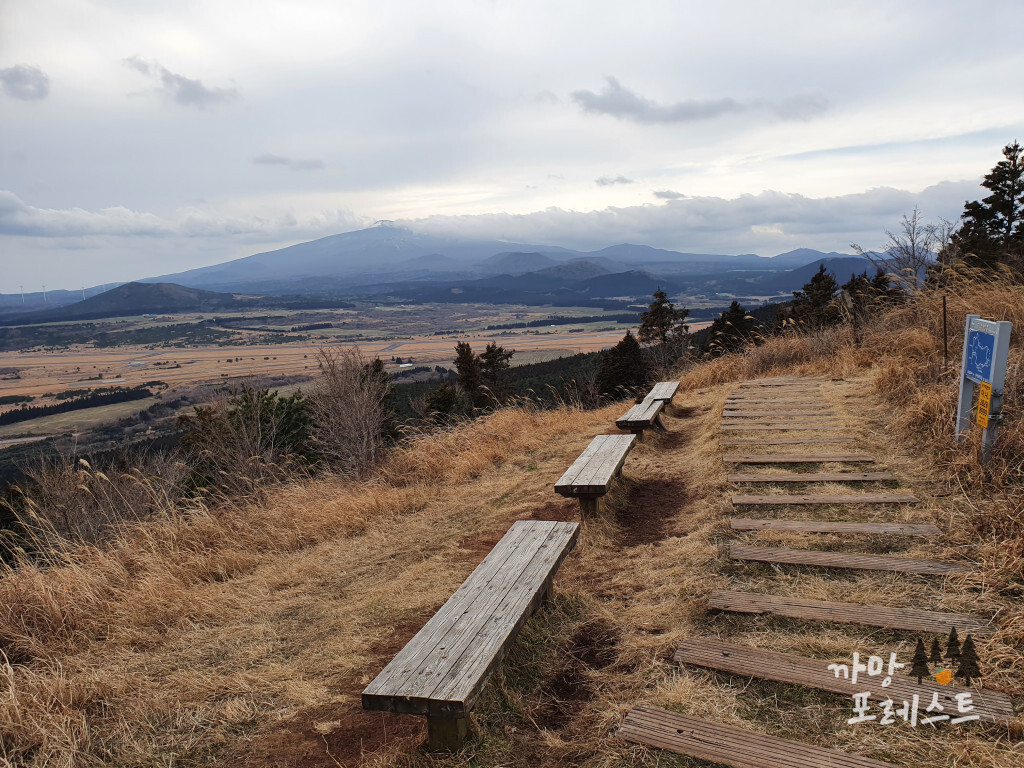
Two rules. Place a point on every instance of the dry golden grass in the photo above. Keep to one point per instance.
(244, 634)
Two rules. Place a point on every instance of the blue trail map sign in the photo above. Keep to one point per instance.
(981, 351)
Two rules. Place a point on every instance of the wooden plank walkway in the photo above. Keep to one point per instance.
(754, 414)
(793, 458)
(777, 427)
(889, 617)
(846, 560)
(735, 659)
(813, 477)
(839, 498)
(727, 745)
(825, 526)
(787, 441)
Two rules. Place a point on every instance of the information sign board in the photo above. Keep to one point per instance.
(983, 368)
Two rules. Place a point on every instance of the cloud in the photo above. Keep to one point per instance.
(668, 194)
(292, 163)
(620, 102)
(18, 218)
(25, 82)
(606, 181)
(180, 89)
(768, 222)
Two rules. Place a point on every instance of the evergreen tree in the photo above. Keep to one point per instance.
(662, 322)
(622, 367)
(494, 362)
(953, 647)
(993, 229)
(731, 331)
(935, 657)
(375, 371)
(447, 401)
(813, 306)
(968, 662)
(468, 367)
(919, 668)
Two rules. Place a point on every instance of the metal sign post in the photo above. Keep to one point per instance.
(986, 349)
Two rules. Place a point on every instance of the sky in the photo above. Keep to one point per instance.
(144, 137)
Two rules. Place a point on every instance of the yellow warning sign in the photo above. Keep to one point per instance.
(984, 402)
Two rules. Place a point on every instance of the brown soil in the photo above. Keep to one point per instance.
(647, 510)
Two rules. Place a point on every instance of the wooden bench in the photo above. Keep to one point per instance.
(647, 413)
(590, 476)
(442, 671)
(642, 416)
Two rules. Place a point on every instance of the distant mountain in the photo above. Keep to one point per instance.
(633, 283)
(575, 270)
(516, 263)
(375, 251)
(136, 299)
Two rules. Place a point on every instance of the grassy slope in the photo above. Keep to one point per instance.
(245, 635)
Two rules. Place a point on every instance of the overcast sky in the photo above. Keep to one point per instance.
(141, 137)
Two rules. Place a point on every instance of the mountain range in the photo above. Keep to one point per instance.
(390, 262)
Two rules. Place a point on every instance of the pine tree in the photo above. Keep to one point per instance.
(953, 646)
(920, 663)
(813, 306)
(731, 331)
(993, 229)
(935, 657)
(622, 367)
(662, 322)
(494, 362)
(968, 662)
(468, 366)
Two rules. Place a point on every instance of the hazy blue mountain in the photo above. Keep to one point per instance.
(516, 263)
(137, 299)
(575, 271)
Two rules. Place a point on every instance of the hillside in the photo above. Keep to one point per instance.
(243, 634)
(136, 299)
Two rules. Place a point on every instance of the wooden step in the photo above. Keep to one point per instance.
(826, 526)
(787, 441)
(735, 659)
(794, 458)
(813, 477)
(889, 617)
(845, 560)
(755, 414)
(776, 427)
(728, 745)
(800, 403)
(838, 498)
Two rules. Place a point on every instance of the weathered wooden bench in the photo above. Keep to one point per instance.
(590, 476)
(663, 390)
(647, 413)
(442, 671)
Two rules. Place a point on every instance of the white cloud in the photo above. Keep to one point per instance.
(25, 82)
(609, 181)
(182, 90)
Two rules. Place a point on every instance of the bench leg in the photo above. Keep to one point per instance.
(660, 423)
(639, 434)
(589, 506)
(446, 733)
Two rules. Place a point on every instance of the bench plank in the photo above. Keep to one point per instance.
(443, 669)
(845, 560)
(793, 458)
(825, 526)
(888, 617)
(735, 659)
(642, 415)
(727, 745)
(592, 472)
(663, 390)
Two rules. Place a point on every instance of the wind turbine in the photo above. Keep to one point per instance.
(44, 293)
(22, 287)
